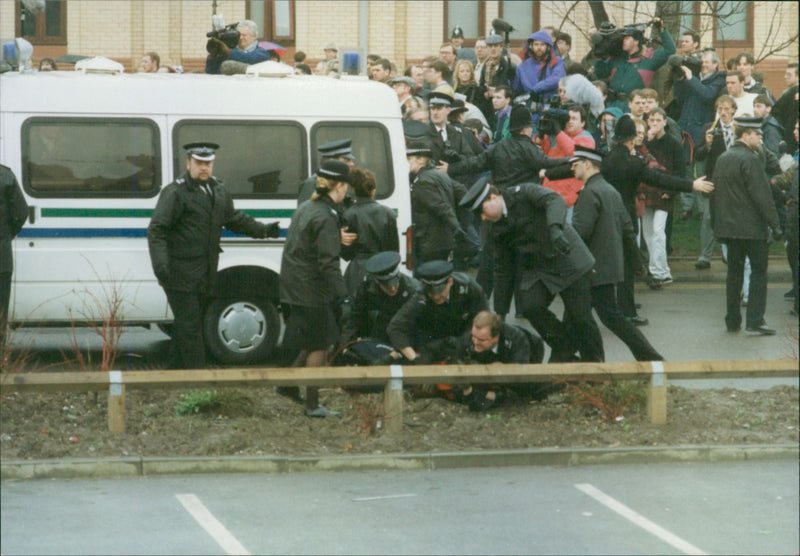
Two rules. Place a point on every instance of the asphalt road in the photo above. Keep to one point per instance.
(686, 324)
(691, 508)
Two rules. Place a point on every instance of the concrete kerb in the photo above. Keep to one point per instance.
(147, 466)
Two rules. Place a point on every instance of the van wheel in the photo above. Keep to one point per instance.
(241, 331)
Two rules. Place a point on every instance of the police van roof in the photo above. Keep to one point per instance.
(72, 93)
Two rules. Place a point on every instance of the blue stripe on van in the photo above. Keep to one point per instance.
(68, 233)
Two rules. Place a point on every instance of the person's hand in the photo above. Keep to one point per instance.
(687, 72)
(542, 173)
(273, 230)
(442, 166)
(702, 185)
(657, 23)
(348, 237)
(557, 240)
(709, 138)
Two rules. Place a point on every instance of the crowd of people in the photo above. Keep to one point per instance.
(547, 175)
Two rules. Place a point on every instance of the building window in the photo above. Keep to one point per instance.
(470, 16)
(733, 25)
(275, 20)
(47, 27)
(524, 17)
(681, 17)
(91, 157)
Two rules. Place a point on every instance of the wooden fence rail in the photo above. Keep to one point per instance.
(394, 378)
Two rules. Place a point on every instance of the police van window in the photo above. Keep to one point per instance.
(370, 145)
(91, 157)
(256, 160)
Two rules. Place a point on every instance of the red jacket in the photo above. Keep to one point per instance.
(565, 146)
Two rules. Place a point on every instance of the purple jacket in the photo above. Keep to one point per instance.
(540, 77)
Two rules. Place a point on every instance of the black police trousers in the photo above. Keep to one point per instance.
(579, 332)
(187, 350)
(757, 250)
(604, 301)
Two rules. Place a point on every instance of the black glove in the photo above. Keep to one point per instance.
(557, 239)
(451, 156)
(273, 230)
(345, 309)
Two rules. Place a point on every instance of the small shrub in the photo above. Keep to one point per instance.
(197, 401)
(611, 398)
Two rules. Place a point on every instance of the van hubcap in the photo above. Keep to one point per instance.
(242, 327)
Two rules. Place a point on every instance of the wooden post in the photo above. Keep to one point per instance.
(393, 401)
(116, 403)
(657, 395)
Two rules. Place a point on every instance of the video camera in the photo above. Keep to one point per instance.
(553, 122)
(677, 60)
(502, 27)
(228, 35)
(607, 41)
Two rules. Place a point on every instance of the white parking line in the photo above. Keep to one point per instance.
(638, 519)
(211, 524)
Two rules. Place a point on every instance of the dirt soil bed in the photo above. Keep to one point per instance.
(258, 421)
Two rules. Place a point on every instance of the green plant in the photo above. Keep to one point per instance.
(368, 413)
(611, 398)
(197, 401)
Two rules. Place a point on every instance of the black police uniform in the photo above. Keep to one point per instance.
(433, 213)
(604, 225)
(376, 226)
(330, 150)
(522, 245)
(421, 321)
(183, 238)
(13, 213)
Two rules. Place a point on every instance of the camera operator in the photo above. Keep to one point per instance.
(633, 67)
(246, 52)
(539, 74)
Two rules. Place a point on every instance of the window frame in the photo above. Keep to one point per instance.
(536, 24)
(41, 38)
(179, 161)
(360, 123)
(737, 44)
(268, 25)
(102, 121)
(468, 41)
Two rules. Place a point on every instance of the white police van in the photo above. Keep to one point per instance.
(92, 151)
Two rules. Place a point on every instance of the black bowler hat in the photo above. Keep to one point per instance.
(434, 275)
(202, 151)
(625, 129)
(586, 152)
(419, 147)
(384, 267)
(335, 170)
(437, 98)
(457, 33)
(520, 118)
(749, 123)
(337, 149)
(474, 198)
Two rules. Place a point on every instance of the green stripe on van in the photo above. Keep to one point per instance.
(145, 213)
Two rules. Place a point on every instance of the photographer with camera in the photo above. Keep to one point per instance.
(234, 43)
(696, 93)
(626, 61)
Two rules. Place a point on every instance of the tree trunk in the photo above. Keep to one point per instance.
(598, 13)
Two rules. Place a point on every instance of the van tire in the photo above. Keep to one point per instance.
(242, 330)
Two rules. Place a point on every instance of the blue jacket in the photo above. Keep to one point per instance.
(540, 77)
(256, 56)
(696, 97)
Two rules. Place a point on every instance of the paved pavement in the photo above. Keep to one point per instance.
(679, 508)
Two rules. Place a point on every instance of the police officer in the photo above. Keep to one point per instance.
(462, 52)
(531, 236)
(183, 237)
(604, 225)
(446, 306)
(742, 215)
(433, 206)
(13, 212)
(379, 297)
(449, 142)
(341, 149)
(312, 288)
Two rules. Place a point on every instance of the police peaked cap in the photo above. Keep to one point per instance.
(586, 152)
(384, 267)
(437, 98)
(434, 275)
(476, 194)
(749, 123)
(202, 151)
(419, 147)
(335, 149)
(335, 170)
